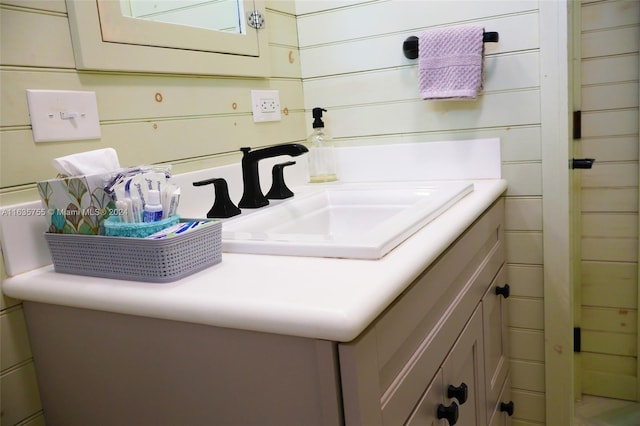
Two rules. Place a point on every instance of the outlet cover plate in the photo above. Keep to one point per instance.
(63, 115)
(265, 105)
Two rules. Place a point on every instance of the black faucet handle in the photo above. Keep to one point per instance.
(279, 189)
(222, 206)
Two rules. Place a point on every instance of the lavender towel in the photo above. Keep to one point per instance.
(451, 63)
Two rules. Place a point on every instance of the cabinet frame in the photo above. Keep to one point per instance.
(451, 289)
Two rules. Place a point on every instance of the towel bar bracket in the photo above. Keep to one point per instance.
(410, 45)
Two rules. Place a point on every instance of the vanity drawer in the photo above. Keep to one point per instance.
(385, 370)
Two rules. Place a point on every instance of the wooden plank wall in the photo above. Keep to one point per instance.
(195, 126)
(199, 117)
(610, 38)
(353, 65)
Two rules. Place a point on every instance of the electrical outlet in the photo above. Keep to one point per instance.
(265, 105)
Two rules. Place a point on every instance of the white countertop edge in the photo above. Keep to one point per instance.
(322, 298)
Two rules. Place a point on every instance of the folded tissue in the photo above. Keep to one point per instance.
(87, 163)
(77, 203)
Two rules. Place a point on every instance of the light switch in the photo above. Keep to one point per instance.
(63, 115)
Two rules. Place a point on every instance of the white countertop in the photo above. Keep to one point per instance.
(323, 298)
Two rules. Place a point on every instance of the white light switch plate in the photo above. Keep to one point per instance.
(63, 115)
(265, 105)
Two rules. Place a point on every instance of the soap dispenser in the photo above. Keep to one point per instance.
(322, 161)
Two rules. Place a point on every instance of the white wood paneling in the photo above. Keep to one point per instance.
(527, 375)
(610, 122)
(15, 343)
(614, 148)
(524, 247)
(611, 175)
(610, 96)
(608, 14)
(531, 406)
(47, 44)
(122, 97)
(523, 214)
(526, 280)
(20, 395)
(615, 364)
(609, 343)
(610, 249)
(380, 52)
(525, 179)
(491, 110)
(609, 69)
(609, 320)
(612, 42)
(526, 313)
(610, 199)
(401, 83)
(614, 225)
(617, 386)
(320, 28)
(609, 284)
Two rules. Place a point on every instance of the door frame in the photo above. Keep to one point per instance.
(555, 94)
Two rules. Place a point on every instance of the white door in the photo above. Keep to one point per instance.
(606, 201)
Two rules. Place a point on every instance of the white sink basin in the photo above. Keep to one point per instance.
(356, 221)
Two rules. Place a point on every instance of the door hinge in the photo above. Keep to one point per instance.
(577, 339)
(255, 19)
(577, 124)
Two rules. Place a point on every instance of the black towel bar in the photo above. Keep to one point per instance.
(410, 45)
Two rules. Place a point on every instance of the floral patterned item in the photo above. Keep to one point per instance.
(76, 205)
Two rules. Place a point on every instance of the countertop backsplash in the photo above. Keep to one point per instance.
(22, 225)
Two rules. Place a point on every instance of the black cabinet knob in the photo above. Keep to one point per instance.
(450, 413)
(507, 407)
(503, 291)
(460, 393)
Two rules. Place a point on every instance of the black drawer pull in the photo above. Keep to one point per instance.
(507, 407)
(503, 291)
(450, 413)
(460, 393)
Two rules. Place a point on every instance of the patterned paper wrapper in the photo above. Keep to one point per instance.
(76, 205)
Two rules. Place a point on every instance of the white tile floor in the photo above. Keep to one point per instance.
(596, 411)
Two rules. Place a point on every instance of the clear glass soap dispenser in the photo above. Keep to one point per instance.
(322, 161)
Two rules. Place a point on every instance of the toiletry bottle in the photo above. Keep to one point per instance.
(322, 161)
(153, 208)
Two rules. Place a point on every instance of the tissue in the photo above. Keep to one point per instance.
(77, 202)
(98, 161)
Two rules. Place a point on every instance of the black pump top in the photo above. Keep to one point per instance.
(317, 117)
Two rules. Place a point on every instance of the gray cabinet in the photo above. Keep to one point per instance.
(390, 374)
(447, 328)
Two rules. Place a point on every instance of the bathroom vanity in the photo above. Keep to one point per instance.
(413, 337)
(286, 340)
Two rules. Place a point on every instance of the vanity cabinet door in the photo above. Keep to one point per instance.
(494, 304)
(426, 413)
(455, 396)
(463, 374)
(505, 408)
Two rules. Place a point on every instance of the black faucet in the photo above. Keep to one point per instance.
(222, 206)
(252, 196)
